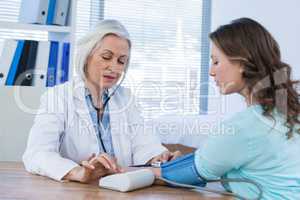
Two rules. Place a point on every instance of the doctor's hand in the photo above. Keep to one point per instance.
(93, 168)
(166, 156)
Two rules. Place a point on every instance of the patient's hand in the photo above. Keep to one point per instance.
(166, 156)
(157, 173)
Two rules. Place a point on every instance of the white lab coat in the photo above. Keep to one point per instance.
(63, 134)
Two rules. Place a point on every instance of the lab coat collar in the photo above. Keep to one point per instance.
(79, 88)
(81, 108)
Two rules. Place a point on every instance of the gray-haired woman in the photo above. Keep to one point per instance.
(90, 126)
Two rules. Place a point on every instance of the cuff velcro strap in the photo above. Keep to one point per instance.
(182, 170)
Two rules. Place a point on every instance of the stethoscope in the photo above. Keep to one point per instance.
(104, 105)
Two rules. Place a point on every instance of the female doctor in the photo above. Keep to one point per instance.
(260, 145)
(90, 126)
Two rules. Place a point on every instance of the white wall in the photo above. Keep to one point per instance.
(18, 105)
(281, 18)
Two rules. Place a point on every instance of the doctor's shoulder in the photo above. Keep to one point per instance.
(57, 95)
(126, 94)
(60, 90)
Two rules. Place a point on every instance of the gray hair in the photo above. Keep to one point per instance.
(90, 41)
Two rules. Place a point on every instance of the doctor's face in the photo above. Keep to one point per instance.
(227, 73)
(107, 62)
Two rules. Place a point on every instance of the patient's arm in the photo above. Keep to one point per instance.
(157, 172)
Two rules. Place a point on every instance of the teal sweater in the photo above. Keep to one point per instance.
(252, 146)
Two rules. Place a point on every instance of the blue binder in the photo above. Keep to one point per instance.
(65, 63)
(15, 62)
(52, 65)
(51, 12)
(24, 74)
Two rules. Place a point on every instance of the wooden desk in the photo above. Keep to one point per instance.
(17, 184)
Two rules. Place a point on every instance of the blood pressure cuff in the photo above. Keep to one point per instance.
(182, 170)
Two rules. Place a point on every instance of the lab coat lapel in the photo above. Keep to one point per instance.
(80, 105)
(119, 131)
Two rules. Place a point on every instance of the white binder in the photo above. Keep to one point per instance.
(61, 12)
(41, 65)
(34, 11)
(7, 55)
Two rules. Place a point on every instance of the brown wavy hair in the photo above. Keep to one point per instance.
(266, 76)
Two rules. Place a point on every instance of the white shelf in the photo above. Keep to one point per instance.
(22, 26)
(19, 102)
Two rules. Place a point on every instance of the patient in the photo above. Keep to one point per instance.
(264, 142)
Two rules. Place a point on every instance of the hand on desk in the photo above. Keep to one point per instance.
(94, 168)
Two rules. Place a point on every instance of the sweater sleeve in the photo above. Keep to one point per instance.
(226, 149)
